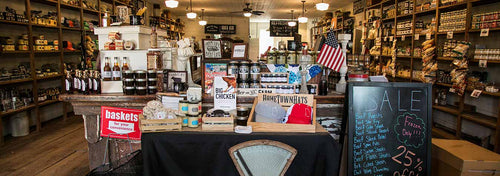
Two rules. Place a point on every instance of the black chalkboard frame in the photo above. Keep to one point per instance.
(349, 116)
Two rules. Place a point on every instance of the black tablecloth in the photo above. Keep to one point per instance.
(201, 153)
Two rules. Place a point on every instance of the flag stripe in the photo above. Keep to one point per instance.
(331, 54)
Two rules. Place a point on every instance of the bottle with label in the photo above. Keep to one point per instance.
(68, 82)
(97, 82)
(106, 21)
(154, 61)
(76, 81)
(154, 37)
(323, 84)
(90, 80)
(117, 74)
(107, 73)
(84, 83)
(125, 64)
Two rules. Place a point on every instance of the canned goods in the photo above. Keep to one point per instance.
(183, 106)
(243, 70)
(192, 121)
(193, 108)
(232, 69)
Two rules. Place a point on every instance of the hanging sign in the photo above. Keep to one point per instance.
(389, 128)
(280, 28)
(121, 121)
(484, 32)
(220, 29)
(225, 92)
(449, 35)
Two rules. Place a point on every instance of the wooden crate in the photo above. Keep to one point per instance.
(217, 123)
(279, 127)
(159, 125)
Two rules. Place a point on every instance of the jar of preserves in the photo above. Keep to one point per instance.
(271, 58)
(281, 58)
(291, 58)
(154, 59)
(243, 70)
(140, 74)
(232, 69)
(152, 89)
(129, 90)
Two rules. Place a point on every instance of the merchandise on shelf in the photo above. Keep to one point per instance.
(423, 5)
(429, 64)
(403, 51)
(486, 20)
(11, 15)
(70, 22)
(42, 44)
(47, 20)
(404, 27)
(47, 70)
(448, 47)
(45, 94)
(487, 54)
(389, 11)
(477, 80)
(461, 66)
(453, 21)
(22, 71)
(12, 98)
(451, 2)
(71, 2)
(444, 77)
(89, 4)
(405, 7)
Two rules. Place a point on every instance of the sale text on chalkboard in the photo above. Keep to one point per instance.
(280, 28)
(389, 129)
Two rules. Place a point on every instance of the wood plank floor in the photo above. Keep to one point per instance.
(59, 148)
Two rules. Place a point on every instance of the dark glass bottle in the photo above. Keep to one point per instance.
(84, 83)
(117, 74)
(68, 83)
(90, 80)
(97, 82)
(76, 81)
(107, 74)
(323, 84)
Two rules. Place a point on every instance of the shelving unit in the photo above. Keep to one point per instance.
(459, 112)
(58, 55)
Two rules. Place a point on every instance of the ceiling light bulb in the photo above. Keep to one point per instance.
(202, 22)
(322, 6)
(172, 3)
(191, 15)
(292, 23)
(302, 19)
(247, 14)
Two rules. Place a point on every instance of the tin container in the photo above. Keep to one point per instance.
(232, 69)
(281, 58)
(243, 71)
(192, 121)
(129, 90)
(193, 108)
(140, 82)
(183, 106)
(141, 90)
(140, 74)
(271, 58)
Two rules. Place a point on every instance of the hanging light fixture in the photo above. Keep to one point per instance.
(191, 14)
(322, 6)
(292, 23)
(247, 14)
(171, 3)
(303, 18)
(202, 21)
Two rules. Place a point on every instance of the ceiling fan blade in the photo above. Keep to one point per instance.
(257, 11)
(237, 12)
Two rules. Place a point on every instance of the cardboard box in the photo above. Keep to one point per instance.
(461, 158)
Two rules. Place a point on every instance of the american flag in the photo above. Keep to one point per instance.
(331, 55)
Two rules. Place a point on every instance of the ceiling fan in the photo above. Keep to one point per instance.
(248, 10)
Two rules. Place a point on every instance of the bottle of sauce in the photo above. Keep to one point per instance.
(68, 82)
(154, 37)
(107, 73)
(106, 21)
(84, 83)
(117, 74)
(97, 82)
(76, 81)
(125, 64)
(323, 84)
(90, 81)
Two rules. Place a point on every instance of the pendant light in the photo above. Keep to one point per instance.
(202, 21)
(191, 14)
(322, 6)
(292, 23)
(247, 14)
(171, 3)
(303, 18)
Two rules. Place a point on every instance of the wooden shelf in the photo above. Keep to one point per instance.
(453, 6)
(48, 51)
(45, 26)
(15, 81)
(448, 108)
(481, 119)
(489, 61)
(13, 111)
(408, 57)
(13, 22)
(479, 30)
(443, 84)
(48, 102)
(454, 32)
(15, 52)
(71, 29)
(425, 12)
(70, 7)
(445, 58)
(48, 2)
(49, 77)
(442, 133)
(90, 11)
(387, 19)
(405, 15)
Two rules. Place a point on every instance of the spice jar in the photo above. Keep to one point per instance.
(243, 70)
(140, 82)
(128, 82)
(192, 121)
(154, 59)
(232, 69)
(271, 58)
(152, 90)
(140, 90)
(281, 58)
(184, 120)
(129, 90)
(151, 73)
(183, 106)
(255, 71)
(152, 81)
(193, 108)
(127, 74)
(140, 74)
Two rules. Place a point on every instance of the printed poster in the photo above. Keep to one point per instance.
(212, 70)
(225, 92)
(121, 121)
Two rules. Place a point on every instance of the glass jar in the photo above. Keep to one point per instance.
(184, 120)
(183, 106)
(140, 82)
(152, 81)
(127, 74)
(128, 82)
(271, 58)
(291, 58)
(232, 69)
(192, 121)
(193, 108)
(281, 58)
(141, 90)
(154, 59)
(243, 70)
(129, 90)
(152, 90)
(151, 73)
(140, 74)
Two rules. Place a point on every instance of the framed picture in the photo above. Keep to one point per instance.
(212, 49)
(240, 51)
(176, 81)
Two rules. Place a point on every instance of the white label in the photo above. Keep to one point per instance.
(483, 63)
(107, 74)
(90, 84)
(403, 38)
(484, 32)
(449, 35)
(476, 93)
(417, 36)
(84, 86)
(391, 38)
(428, 36)
(95, 84)
(117, 74)
(76, 83)
(68, 85)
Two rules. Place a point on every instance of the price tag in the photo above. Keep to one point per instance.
(452, 90)
(391, 38)
(476, 93)
(428, 36)
(417, 36)
(483, 63)
(385, 39)
(449, 35)
(484, 32)
(403, 38)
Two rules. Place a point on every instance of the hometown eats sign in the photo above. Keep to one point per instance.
(121, 121)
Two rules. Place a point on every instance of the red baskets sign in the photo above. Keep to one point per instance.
(121, 121)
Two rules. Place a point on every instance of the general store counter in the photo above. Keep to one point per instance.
(89, 106)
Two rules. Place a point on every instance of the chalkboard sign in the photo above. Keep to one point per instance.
(220, 29)
(280, 28)
(389, 128)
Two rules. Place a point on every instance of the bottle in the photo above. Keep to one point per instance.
(107, 74)
(97, 82)
(106, 22)
(125, 64)
(90, 81)
(117, 74)
(76, 81)
(154, 37)
(84, 83)
(323, 84)
(69, 82)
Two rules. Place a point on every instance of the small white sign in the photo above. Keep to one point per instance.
(476, 93)
(484, 32)
(417, 36)
(428, 36)
(252, 92)
(385, 39)
(403, 38)
(449, 35)
(483, 63)
(391, 38)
